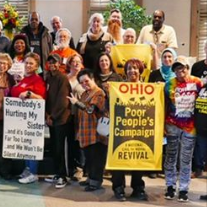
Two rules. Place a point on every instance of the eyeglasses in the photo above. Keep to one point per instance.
(76, 62)
(180, 68)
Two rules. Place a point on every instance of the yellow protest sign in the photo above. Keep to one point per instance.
(136, 126)
(122, 52)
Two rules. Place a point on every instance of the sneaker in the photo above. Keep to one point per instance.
(84, 183)
(183, 196)
(29, 179)
(91, 188)
(25, 173)
(170, 194)
(139, 195)
(197, 174)
(152, 175)
(61, 183)
(120, 194)
(203, 197)
(53, 179)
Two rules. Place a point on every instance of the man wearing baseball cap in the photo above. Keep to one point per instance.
(57, 116)
(181, 93)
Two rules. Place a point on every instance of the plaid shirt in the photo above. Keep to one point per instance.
(87, 134)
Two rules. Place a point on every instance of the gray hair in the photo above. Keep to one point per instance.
(51, 20)
(63, 29)
(98, 16)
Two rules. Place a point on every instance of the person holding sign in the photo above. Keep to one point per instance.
(201, 130)
(19, 48)
(181, 93)
(91, 106)
(31, 86)
(6, 82)
(133, 69)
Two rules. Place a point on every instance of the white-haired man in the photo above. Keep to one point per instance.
(62, 39)
(57, 23)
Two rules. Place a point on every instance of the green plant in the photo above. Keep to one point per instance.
(133, 15)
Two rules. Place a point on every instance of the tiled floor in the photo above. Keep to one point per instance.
(42, 194)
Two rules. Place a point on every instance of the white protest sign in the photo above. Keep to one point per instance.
(24, 124)
(17, 69)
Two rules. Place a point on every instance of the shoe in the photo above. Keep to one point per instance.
(198, 173)
(139, 195)
(54, 179)
(77, 175)
(25, 173)
(120, 194)
(90, 188)
(61, 183)
(152, 175)
(170, 194)
(29, 179)
(203, 197)
(84, 183)
(183, 196)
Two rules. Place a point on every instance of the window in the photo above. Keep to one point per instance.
(98, 5)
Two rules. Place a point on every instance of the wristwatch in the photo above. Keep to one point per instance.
(28, 94)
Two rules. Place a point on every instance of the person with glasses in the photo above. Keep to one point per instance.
(6, 82)
(180, 94)
(91, 106)
(76, 159)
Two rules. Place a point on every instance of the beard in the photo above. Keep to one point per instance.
(114, 28)
(62, 45)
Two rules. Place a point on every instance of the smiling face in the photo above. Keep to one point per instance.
(181, 72)
(75, 64)
(133, 74)
(87, 83)
(19, 46)
(4, 66)
(53, 65)
(56, 24)
(116, 17)
(34, 20)
(129, 37)
(167, 58)
(104, 64)
(31, 66)
(158, 20)
(96, 25)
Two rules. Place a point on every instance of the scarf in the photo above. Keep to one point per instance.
(105, 77)
(166, 71)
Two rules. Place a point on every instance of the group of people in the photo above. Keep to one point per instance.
(74, 81)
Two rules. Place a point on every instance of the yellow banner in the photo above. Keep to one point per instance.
(136, 126)
(122, 52)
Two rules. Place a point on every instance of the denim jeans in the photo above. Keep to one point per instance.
(180, 146)
(200, 152)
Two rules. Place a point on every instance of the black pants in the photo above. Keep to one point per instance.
(118, 179)
(58, 134)
(95, 162)
(75, 154)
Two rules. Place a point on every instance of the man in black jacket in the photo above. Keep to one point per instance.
(39, 37)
